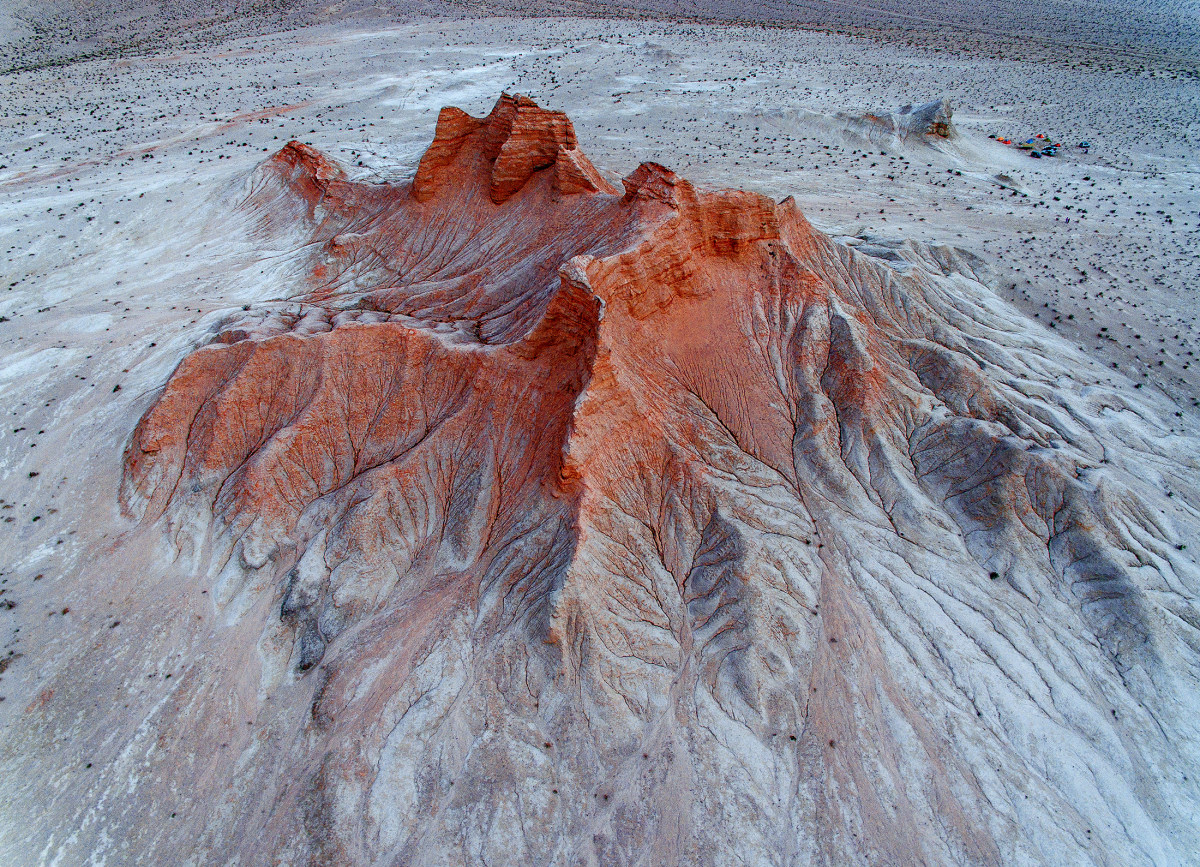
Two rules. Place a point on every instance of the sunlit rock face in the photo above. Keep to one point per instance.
(552, 523)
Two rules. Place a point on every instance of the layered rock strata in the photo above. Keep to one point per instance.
(550, 523)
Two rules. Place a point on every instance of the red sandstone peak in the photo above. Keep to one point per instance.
(515, 141)
(535, 493)
(311, 180)
(652, 181)
(308, 161)
(307, 170)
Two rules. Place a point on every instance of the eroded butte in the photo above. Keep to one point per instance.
(555, 523)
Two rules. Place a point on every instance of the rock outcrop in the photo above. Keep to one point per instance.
(930, 121)
(516, 140)
(554, 524)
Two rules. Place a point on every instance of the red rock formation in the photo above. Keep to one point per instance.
(509, 146)
(594, 527)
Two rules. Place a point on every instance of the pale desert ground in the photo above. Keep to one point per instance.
(119, 246)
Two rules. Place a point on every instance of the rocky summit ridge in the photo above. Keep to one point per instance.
(551, 523)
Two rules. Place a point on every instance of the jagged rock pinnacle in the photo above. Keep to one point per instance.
(506, 148)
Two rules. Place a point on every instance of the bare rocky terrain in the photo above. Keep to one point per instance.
(509, 500)
(1114, 34)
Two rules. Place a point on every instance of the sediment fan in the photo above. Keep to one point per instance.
(559, 524)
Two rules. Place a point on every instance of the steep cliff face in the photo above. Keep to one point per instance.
(550, 523)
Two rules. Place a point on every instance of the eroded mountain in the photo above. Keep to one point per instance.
(550, 522)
